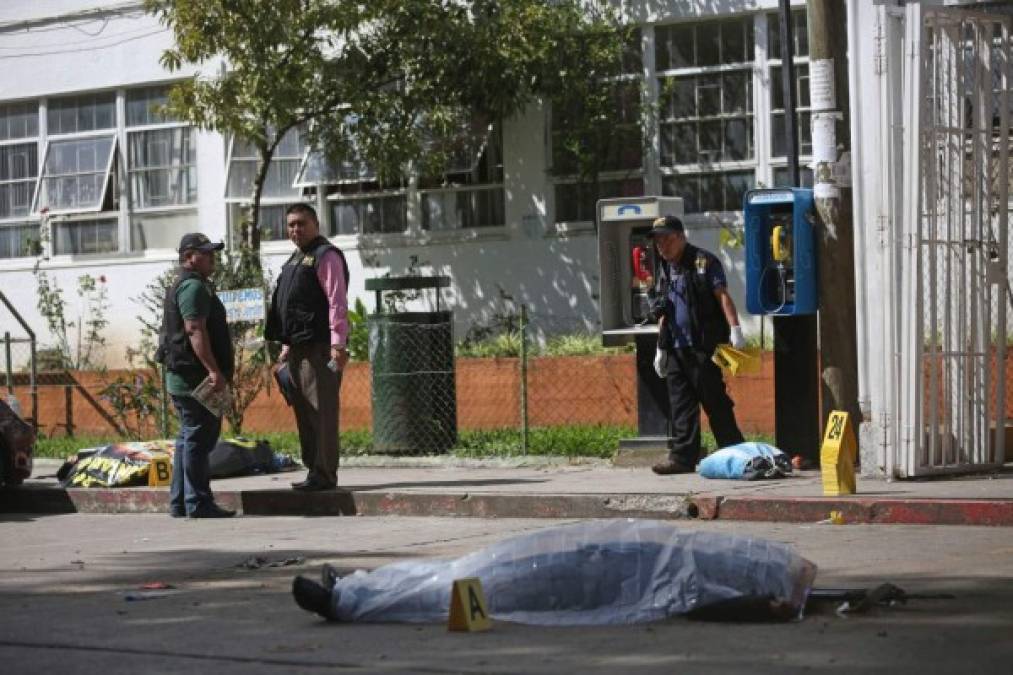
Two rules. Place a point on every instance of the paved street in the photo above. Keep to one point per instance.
(63, 606)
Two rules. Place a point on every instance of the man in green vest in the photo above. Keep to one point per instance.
(194, 344)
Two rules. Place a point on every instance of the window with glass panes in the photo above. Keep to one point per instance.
(778, 142)
(622, 171)
(278, 191)
(368, 207)
(706, 120)
(357, 200)
(78, 165)
(161, 153)
(469, 193)
(77, 178)
(19, 171)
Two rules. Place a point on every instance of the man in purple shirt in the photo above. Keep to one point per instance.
(309, 316)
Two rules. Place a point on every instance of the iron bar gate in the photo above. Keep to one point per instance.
(953, 245)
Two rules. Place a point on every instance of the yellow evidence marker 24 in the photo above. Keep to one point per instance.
(838, 455)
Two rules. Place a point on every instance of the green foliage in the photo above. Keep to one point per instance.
(599, 441)
(597, 116)
(238, 269)
(135, 403)
(508, 344)
(580, 344)
(358, 332)
(502, 345)
(78, 334)
(388, 81)
(563, 441)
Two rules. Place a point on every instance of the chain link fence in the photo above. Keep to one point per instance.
(538, 392)
(20, 377)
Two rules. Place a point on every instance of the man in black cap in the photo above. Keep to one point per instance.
(695, 315)
(194, 344)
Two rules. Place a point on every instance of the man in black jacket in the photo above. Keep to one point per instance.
(309, 316)
(194, 344)
(697, 314)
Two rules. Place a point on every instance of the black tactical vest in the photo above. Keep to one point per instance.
(299, 309)
(708, 324)
(174, 348)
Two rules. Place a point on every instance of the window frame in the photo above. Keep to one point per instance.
(32, 179)
(107, 173)
(130, 171)
(449, 187)
(609, 175)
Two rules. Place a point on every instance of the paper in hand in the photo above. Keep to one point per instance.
(217, 402)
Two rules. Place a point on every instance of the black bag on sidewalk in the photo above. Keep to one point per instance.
(240, 457)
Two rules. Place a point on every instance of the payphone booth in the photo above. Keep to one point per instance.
(780, 251)
(627, 261)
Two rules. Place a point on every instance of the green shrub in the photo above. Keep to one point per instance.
(502, 345)
(600, 441)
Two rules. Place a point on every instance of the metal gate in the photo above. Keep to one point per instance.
(954, 244)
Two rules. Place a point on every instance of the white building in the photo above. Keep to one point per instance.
(121, 186)
(77, 136)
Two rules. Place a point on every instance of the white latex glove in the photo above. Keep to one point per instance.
(738, 340)
(661, 362)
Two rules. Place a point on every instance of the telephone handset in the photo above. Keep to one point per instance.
(781, 263)
(642, 261)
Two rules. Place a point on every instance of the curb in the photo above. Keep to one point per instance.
(983, 512)
(881, 511)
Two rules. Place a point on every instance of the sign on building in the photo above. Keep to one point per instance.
(244, 304)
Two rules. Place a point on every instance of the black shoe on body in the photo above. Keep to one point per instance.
(312, 597)
(213, 511)
(305, 481)
(328, 576)
(175, 512)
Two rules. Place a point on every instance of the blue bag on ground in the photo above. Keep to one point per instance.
(746, 461)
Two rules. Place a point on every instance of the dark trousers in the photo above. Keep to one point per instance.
(316, 409)
(693, 381)
(198, 434)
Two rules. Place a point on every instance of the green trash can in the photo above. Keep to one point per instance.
(412, 358)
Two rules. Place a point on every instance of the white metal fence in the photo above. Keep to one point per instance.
(953, 244)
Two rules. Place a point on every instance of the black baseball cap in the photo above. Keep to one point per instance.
(666, 225)
(195, 241)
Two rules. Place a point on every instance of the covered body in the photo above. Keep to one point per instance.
(593, 573)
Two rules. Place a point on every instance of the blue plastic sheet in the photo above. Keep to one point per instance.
(746, 461)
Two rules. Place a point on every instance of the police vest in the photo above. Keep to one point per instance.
(708, 325)
(174, 348)
(299, 309)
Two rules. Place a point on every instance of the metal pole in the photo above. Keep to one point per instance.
(788, 86)
(796, 376)
(524, 378)
(10, 369)
(34, 374)
(828, 83)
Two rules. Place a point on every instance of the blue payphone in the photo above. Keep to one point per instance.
(780, 251)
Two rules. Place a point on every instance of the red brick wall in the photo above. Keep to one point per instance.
(561, 390)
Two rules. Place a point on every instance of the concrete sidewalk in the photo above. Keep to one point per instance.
(552, 490)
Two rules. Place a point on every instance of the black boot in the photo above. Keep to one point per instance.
(312, 597)
(328, 576)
